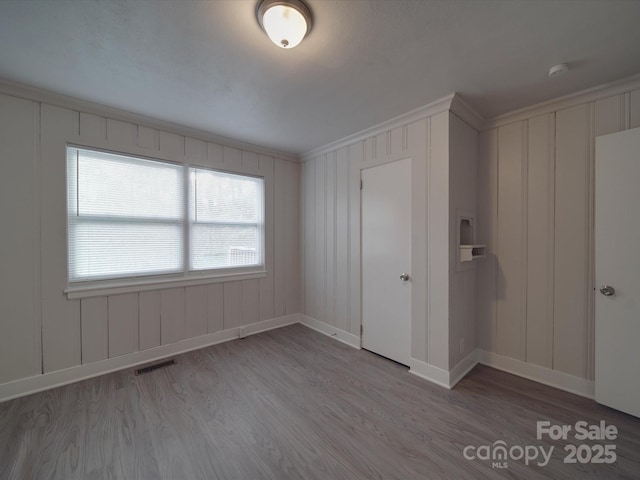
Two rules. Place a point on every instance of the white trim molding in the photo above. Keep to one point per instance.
(429, 372)
(466, 113)
(38, 383)
(439, 376)
(330, 331)
(143, 284)
(463, 367)
(433, 108)
(617, 87)
(36, 94)
(546, 376)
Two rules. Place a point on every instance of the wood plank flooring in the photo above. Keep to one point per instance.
(294, 404)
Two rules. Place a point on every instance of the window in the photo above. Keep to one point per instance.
(226, 220)
(127, 217)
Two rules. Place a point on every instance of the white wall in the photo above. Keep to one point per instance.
(331, 239)
(535, 203)
(43, 331)
(331, 236)
(463, 181)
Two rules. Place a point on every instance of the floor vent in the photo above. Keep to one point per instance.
(155, 366)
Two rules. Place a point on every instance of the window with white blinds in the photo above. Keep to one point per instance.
(226, 219)
(127, 217)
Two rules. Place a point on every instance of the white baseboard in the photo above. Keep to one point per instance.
(29, 385)
(444, 378)
(439, 376)
(463, 367)
(563, 381)
(429, 372)
(331, 331)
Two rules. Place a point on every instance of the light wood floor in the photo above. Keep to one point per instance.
(292, 403)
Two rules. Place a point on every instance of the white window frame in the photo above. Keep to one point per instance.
(259, 224)
(187, 277)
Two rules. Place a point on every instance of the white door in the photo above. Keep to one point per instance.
(617, 236)
(386, 256)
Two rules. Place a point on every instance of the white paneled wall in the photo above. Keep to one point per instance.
(331, 230)
(42, 330)
(20, 353)
(535, 203)
(463, 182)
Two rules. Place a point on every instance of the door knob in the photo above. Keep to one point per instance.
(607, 291)
(404, 277)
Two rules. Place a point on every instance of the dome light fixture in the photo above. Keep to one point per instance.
(286, 22)
(558, 70)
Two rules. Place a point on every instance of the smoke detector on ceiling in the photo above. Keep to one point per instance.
(558, 70)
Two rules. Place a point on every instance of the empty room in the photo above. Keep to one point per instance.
(319, 239)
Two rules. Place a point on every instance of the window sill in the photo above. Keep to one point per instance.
(105, 288)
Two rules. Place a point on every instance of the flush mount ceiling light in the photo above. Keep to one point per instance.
(558, 70)
(286, 22)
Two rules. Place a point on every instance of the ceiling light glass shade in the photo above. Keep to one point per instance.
(285, 22)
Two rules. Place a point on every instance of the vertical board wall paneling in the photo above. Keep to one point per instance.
(438, 242)
(265, 166)
(172, 144)
(121, 133)
(413, 141)
(250, 301)
(342, 239)
(281, 206)
(540, 231)
(232, 305)
(511, 292)
(634, 109)
(487, 229)
(356, 157)
(93, 127)
(292, 239)
(196, 311)
(148, 138)
(60, 317)
(49, 332)
(123, 324)
(215, 307)
(559, 247)
(172, 315)
(215, 155)
(330, 267)
(571, 240)
(609, 115)
(309, 238)
(232, 158)
(321, 240)
(463, 188)
(95, 329)
(19, 276)
(250, 162)
(195, 150)
(149, 320)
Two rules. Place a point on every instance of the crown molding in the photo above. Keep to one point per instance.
(36, 94)
(466, 112)
(441, 105)
(616, 87)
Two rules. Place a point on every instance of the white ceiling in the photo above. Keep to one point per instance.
(207, 64)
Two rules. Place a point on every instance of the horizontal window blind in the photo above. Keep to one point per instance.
(226, 219)
(125, 216)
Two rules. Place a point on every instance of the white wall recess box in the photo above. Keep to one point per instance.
(467, 249)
